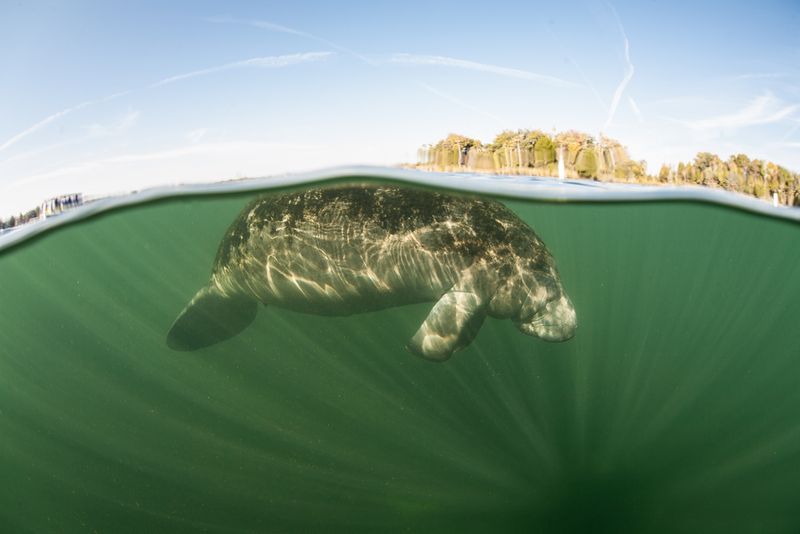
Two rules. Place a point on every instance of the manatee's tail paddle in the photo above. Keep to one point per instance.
(209, 318)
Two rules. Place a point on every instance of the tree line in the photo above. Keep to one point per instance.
(20, 218)
(51, 206)
(534, 152)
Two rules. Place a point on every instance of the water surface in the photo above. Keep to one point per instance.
(675, 408)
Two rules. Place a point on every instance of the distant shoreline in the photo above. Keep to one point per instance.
(47, 208)
(538, 189)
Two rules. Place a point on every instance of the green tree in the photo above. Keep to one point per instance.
(663, 174)
(544, 152)
(706, 160)
(522, 149)
(586, 164)
(741, 161)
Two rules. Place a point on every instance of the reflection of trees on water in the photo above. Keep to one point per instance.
(51, 206)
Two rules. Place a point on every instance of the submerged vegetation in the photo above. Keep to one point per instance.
(534, 152)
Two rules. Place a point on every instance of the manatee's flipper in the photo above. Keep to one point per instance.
(209, 318)
(451, 325)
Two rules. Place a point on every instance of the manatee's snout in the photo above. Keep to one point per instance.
(555, 322)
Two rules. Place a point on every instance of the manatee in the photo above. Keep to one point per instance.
(345, 250)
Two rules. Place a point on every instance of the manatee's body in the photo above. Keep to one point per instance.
(346, 250)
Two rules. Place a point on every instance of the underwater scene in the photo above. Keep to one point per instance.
(378, 357)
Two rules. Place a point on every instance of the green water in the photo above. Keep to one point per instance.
(676, 407)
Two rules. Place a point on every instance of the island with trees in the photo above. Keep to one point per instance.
(534, 152)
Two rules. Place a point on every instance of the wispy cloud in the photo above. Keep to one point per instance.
(56, 116)
(760, 76)
(789, 133)
(125, 123)
(558, 41)
(257, 62)
(681, 101)
(196, 135)
(457, 101)
(271, 26)
(38, 151)
(263, 24)
(612, 109)
(635, 109)
(41, 124)
(444, 61)
(209, 150)
(764, 109)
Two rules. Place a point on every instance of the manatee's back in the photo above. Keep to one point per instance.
(355, 225)
(366, 240)
(338, 219)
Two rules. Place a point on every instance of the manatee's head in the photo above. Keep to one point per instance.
(555, 321)
(537, 303)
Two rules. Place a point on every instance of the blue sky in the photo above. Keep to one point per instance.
(110, 97)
